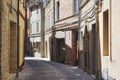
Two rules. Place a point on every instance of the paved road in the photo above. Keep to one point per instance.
(47, 70)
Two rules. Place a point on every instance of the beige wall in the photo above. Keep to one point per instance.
(66, 8)
(21, 33)
(9, 47)
(5, 43)
(48, 28)
(5, 54)
(66, 5)
(49, 15)
(111, 63)
(67, 18)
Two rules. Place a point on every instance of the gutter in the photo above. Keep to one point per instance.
(17, 52)
(98, 54)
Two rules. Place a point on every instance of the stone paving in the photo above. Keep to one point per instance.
(36, 69)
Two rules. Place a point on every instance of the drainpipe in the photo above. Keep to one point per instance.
(53, 32)
(25, 35)
(79, 29)
(65, 43)
(42, 30)
(17, 68)
(26, 38)
(98, 55)
(110, 30)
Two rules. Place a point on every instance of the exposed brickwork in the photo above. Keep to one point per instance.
(5, 42)
(5, 19)
(64, 5)
(0, 33)
(71, 51)
(67, 17)
(74, 45)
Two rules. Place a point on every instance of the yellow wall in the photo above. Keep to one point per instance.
(6, 50)
(21, 33)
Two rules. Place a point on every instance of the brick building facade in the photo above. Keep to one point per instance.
(8, 40)
(0, 35)
(66, 23)
(8, 23)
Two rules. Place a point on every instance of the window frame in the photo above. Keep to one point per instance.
(75, 7)
(37, 27)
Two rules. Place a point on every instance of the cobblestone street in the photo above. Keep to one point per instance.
(36, 69)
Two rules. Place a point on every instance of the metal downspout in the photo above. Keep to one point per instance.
(25, 35)
(53, 43)
(98, 54)
(111, 30)
(79, 29)
(17, 52)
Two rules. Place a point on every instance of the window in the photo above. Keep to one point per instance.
(37, 27)
(37, 11)
(52, 19)
(58, 10)
(24, 3)
(75, 6)
(46, 23)
(30, 12)
(105, 33)
(30, 28)
(48, 20)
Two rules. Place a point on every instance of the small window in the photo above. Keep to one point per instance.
(30, 12)
(75, 6)
(30, 28)
(37, 27)
(51, 19)
(106, 33)
(48, 20)
(37, 11)
(58, 10)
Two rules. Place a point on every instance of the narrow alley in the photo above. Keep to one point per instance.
(36, 69)
(59, 40)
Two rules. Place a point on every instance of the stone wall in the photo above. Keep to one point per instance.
(0, 34)
(8, 14)
(5, 42)
(71, 47)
